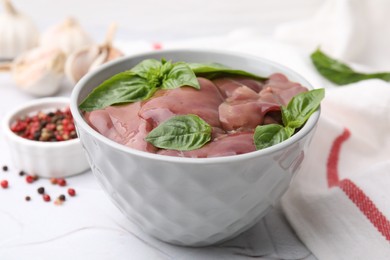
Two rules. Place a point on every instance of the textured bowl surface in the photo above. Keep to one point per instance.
(192, 201)
(45, 159)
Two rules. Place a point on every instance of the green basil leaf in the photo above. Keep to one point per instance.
(145, 78)
(183, 132)
(147, 68)
(180, 75)
(340, 73)
(269, 135)
(301, 107)
(122, 88)
(166, 75)
(294, 115)
(214, 70)
(205, 67)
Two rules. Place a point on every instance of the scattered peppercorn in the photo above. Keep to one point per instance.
(71, 192)
(58, 201)
(53, 181)
(29, 179)
(41, 190)
(61, 181)
(4, 184)
(46, 127)
(46, 197)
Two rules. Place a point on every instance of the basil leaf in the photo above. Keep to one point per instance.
(166, 75)
(147, 68)
(214, 70)
(183, 132)
(269, 135)
(301, 107)
(180, 75)
(294, 115)
(122, 88)
(340, 73)
(140, 83)
(204, 67)
(145, 78)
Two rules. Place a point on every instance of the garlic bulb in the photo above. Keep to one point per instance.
(39, 71)
(68, 36)
(81, 62)
(18, 32)
(5, 66)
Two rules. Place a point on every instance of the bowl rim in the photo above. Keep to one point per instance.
(80, 122)
(10, 116)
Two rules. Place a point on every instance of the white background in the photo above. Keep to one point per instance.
(170, 19)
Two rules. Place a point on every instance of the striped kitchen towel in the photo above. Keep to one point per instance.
(339, 203)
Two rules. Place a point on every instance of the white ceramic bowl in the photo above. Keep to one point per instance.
(191, 201)
(45, 159)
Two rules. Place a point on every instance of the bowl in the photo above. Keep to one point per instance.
(192, 201)
(44, 159)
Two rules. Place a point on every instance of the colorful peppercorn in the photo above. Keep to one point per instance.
(60, 200)
(4, 184)
(62, 197)
(29, 179)
(46, 127)
(71, 192)
(53, 181)
(41, 190)
(46, 197)
(61, 182)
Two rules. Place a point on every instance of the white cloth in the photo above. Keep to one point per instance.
(352, 30)
(339, 202)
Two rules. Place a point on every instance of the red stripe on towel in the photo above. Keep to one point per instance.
(333, 159)
(354, 193)
(365, 204)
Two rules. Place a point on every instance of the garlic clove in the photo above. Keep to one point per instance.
(17, 30)
(68, 36)
(81, 62)
(78, 63)
(5, 66)
(39, 71)
(100, 59)
(110, 53)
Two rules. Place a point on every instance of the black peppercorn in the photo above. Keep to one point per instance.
(41, 190)
(62, 197)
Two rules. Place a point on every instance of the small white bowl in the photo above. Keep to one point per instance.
(192, 201)
(44, 159)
